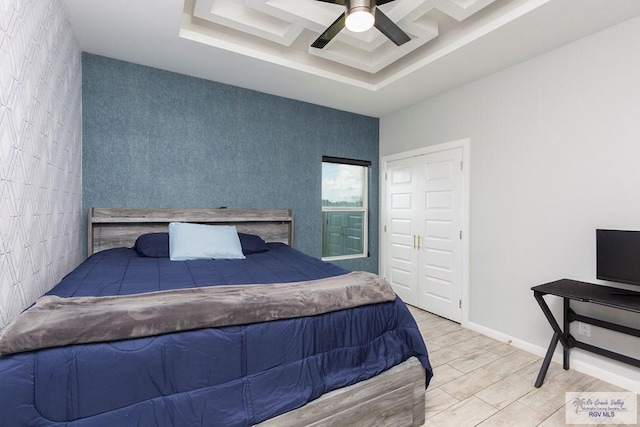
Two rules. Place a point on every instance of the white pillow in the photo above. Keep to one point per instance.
(199, 241)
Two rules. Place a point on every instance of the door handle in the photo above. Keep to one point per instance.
(419, 242)
(414, 242)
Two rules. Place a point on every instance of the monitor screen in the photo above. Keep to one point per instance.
(618, 256)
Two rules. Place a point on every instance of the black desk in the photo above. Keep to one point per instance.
(585, 292)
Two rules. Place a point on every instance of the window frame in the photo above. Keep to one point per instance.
(366, 164)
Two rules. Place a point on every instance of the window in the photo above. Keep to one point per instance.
(345, 193)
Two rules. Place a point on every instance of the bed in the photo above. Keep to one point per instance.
(361, 366)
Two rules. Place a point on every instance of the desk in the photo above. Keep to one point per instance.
(585, 292)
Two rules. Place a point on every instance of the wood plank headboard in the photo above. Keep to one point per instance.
(120, 227)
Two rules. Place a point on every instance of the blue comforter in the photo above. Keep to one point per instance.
(230, 376)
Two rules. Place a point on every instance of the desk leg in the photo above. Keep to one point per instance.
(558, 335)
(567, 347)
(547, 359)
(552, 321)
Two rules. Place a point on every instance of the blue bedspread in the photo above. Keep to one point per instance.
(230, 376)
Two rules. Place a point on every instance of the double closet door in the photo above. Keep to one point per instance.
(423, 231)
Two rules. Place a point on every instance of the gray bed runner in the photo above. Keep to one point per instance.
(55, 321)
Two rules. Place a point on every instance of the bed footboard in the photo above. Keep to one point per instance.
(393, 398)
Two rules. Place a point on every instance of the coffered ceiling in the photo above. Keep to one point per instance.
(286, 29)
(265, 45)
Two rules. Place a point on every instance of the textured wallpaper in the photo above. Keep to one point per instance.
(40, 151)
(152, 138)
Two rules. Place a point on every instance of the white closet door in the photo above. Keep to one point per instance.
(423, 246)
(440, 252)
(402, 190)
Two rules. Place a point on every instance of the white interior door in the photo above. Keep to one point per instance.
(423, 246)
(402, 189)
(440, 249)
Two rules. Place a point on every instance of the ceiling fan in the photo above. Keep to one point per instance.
(360, 15)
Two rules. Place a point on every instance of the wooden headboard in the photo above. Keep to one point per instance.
(120, 227)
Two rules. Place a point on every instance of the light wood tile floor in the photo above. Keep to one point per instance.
(479, 381)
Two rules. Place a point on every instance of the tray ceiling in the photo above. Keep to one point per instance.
(288, 27)
(265, 44)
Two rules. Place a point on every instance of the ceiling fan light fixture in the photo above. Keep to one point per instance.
(359, 16)
(359, 19)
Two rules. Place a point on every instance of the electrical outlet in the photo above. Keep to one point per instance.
(584, 329)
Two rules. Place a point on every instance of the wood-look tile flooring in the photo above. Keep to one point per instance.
(479, 381)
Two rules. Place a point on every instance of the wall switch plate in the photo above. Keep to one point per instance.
(584, 329)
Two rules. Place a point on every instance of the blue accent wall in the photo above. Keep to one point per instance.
(153, 138)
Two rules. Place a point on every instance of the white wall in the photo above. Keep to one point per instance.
(555, 154)
(40, 151)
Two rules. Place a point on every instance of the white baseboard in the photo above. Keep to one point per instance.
(579, 365)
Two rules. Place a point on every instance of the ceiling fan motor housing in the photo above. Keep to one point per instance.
(367, 5)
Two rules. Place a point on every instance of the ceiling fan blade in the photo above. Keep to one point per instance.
(342, 2)
(379, 2)
(390, 29)
(330, 32)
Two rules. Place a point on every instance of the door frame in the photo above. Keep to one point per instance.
(465, 144)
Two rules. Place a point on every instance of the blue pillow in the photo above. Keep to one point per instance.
(199, 241)
(154, 245)
(252, 244)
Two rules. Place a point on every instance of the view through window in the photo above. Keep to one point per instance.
(344, 208)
